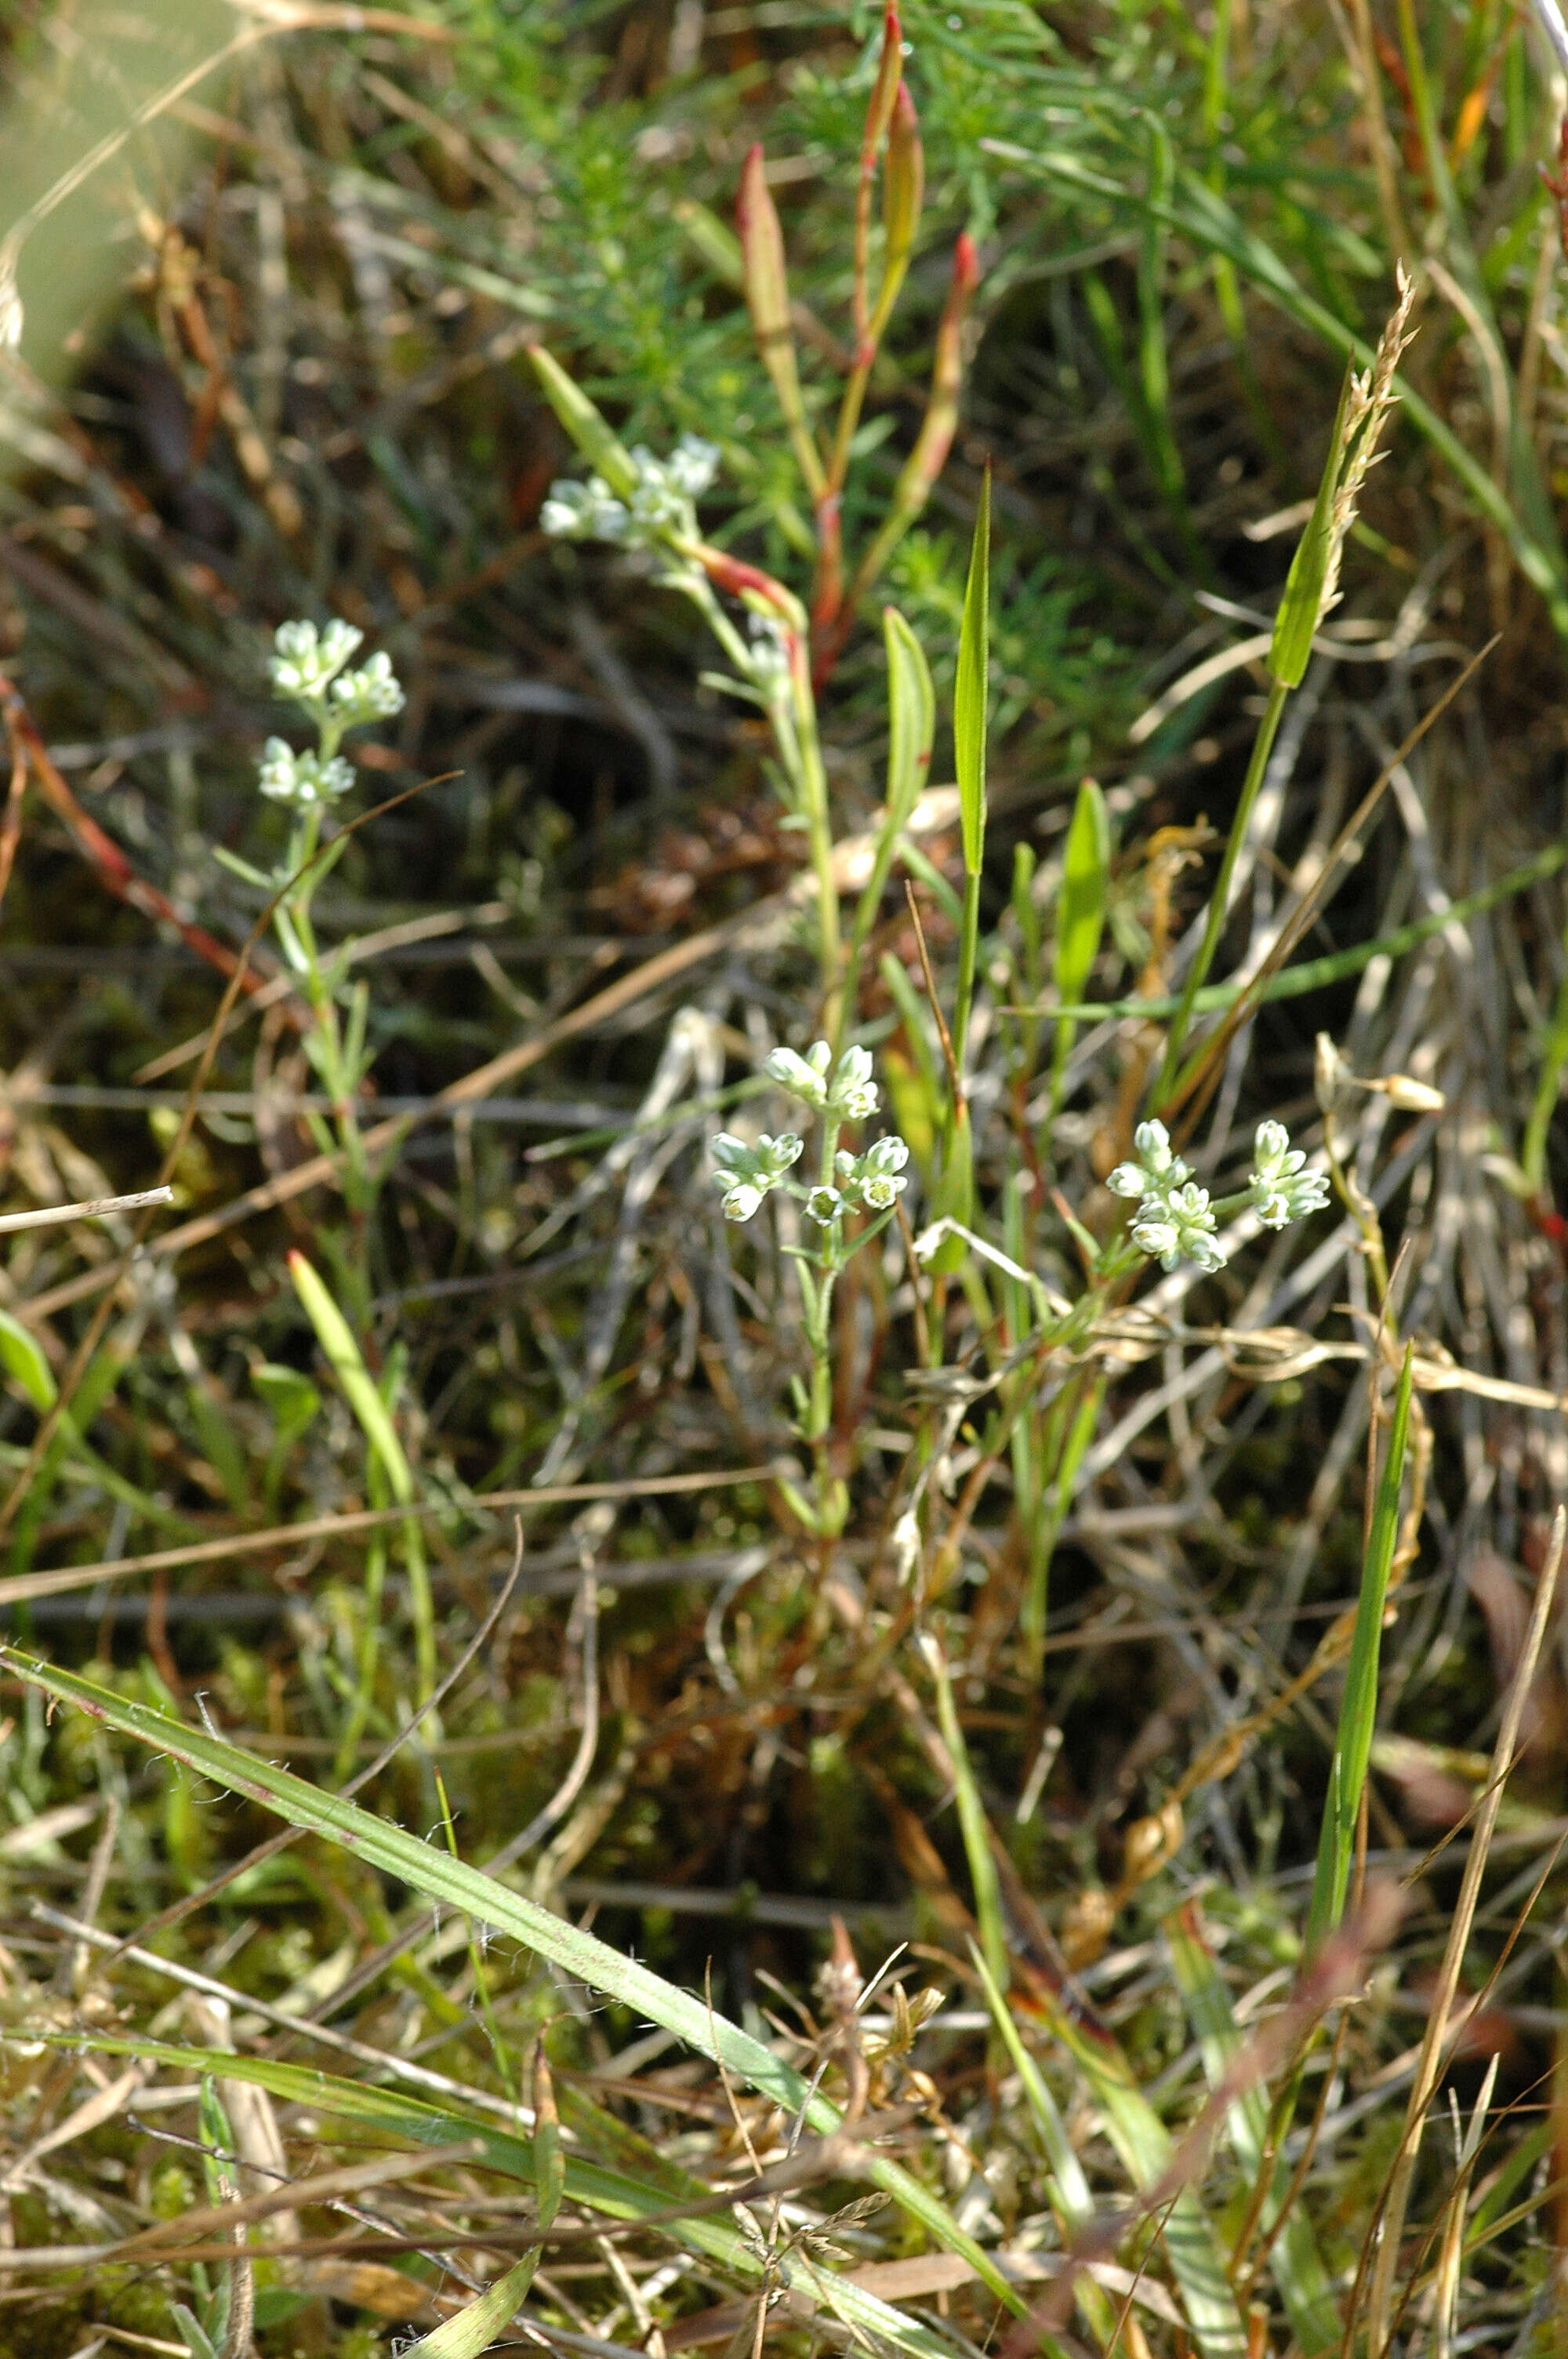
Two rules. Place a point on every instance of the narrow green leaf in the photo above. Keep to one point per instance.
(912, 717)
(970, 691)
(1143, 2147)
(912, 722)
(475, 2327)
(1299, 612)
(1296, 2264)
(24, 1364)
(1358, 1711)
(549, 2156)
(435, 1874)
(972, 1822)
(343, 1357)
(583, 423)
(1086, 887)
(388, 2114)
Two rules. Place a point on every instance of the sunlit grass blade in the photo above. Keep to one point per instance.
(435, 1874)
(912, 722)
(1294, 2258)
(972, 1822)
(1144, 2147)
(970, 697)
(1081, 906)
(1067, 2189)
(344, 1358)
(1358, 1711)
(656, 2193)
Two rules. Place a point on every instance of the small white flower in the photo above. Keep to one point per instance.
(804, 1078)
(854, 1093)
(306, 659)
(747, 1173)
(872, 1177)
(1281, 1189)
(1156, 1170)
(824, 1205)
(373, 693)
(1178, 1226)
(302, 779)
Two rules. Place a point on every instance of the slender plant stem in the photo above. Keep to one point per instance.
(1262, 746)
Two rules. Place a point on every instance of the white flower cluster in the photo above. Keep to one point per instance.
(302, 779)
(1280, 1188)
(850, 1093)
(1175, 1221)
(659, 503)
(868, 1182)
(306, 659)
(747, 1174)
(307, 666)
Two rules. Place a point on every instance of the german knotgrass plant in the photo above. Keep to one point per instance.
(1078, 1319)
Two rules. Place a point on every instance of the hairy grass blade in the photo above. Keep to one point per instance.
(1144, 2146)
(437, 1875)
(1294, 2258)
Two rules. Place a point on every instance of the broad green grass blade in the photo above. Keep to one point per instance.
(1086, 887)
(1358, 1712)
(437, 1876)
(388, 2114)
(1067, 2189)
(1144, 2146)
(972, 1822)
(476, 2326)
(1294, 2258)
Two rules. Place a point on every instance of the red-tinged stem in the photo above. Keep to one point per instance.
(879, 114)
(926, 461)
(109, 865)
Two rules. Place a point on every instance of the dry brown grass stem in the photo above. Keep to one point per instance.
(1441, 2030)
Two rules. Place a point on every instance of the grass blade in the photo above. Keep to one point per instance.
(1358, 1712)
(437, 1875)
(1294, 2258)
(343, 1357)
(971, 1821)
(1144, 2148)
(911, 723)
(970, 701)
(1080, 915)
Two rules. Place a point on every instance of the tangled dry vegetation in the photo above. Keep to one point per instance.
(516, 1827)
